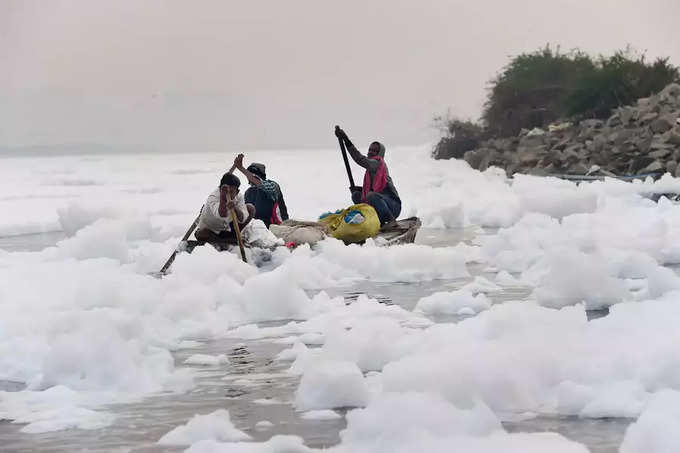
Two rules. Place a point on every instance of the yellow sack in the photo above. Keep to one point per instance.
(354, 224)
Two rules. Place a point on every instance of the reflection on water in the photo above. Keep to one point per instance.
(11, 386)
(30, 242)
(601, 435)
(254, 387)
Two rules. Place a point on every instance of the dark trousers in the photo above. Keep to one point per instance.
(388, 208)
(206, 235)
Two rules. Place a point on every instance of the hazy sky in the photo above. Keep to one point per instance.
(279, 73)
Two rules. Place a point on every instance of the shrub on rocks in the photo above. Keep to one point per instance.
(646, 141)
(618, 113)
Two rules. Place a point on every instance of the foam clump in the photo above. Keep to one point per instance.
(324, 414)
(207, 359)
(277, 444)
(215, 426)
(453, 303)
(405, 263)
(538, 195)
(571, 277)
(504, 278)
(567, 364)
(263, 424)
(366, 333)
(331, 384)
(54, 409)
(481, 285)
(445, 217)
(76, 216)
(657, 430)
(427, 422)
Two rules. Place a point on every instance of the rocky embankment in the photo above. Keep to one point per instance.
(637, 139)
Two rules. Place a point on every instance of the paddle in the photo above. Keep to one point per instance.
(237, 230)
(344, 157)
(170, 260)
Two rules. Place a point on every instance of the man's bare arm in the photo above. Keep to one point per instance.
(238, 163)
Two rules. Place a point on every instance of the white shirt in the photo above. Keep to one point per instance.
(210, 216)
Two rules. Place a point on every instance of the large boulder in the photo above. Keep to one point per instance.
(480, 156)
(626, 114)
(592, 124)
(662, 124)
(674, 136)
(661, 153)
(655, 166)
(650, 104)
(454, 147)
(643, 144)
(640, 162)
(670, 93)
(579, 168)
(614, 121)
(529, 155)
(648, 117)
(487, 159)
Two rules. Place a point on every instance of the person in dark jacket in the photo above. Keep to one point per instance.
(378, 188)
(263, 193)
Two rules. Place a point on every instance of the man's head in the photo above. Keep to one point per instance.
(258, 170)
(376, 149)
(231, 183)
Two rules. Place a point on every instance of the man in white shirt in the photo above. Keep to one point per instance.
(215, 223)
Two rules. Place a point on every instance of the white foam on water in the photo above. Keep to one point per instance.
(331, 384)
(207, 359)
(323, 414)
(83, 325)
(277, 444)
(453, 303)
(658, 428)
(215, 426)
(263, 424)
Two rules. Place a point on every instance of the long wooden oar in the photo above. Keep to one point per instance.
(237, 230)
(170, 260)
(344, 157)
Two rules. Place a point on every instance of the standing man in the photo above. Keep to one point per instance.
(378, 189)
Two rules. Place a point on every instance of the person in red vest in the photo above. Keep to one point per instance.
(378, 188)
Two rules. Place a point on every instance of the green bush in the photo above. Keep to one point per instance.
(537, 88)
(459, 137)
(618, 80)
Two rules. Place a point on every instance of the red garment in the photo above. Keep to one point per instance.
(276, 214)
(379, 180)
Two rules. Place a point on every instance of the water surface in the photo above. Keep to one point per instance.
(254, 387)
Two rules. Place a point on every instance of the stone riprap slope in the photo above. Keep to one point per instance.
(637, 139)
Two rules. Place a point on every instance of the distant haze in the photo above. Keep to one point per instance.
(274, 74)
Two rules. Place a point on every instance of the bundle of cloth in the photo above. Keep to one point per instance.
(296, 232)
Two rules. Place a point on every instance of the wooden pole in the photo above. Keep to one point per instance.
(170, 260)
(344, 157)
(237, 230)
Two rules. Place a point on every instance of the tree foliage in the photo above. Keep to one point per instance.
(537, 88)
(459, 137)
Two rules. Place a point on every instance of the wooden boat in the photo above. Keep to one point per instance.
(403, 232)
